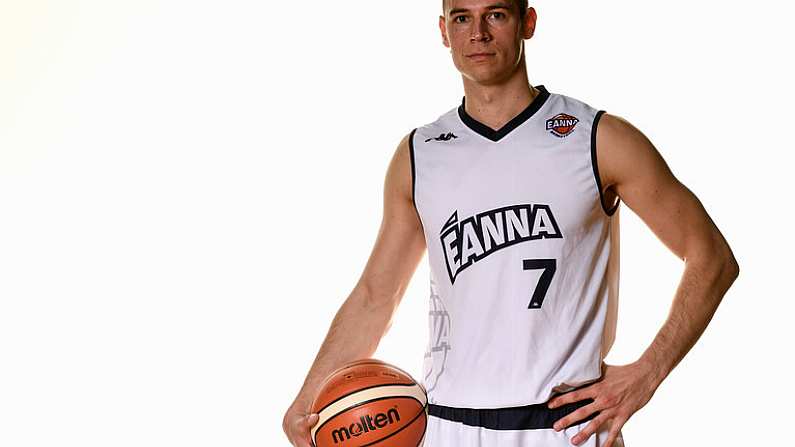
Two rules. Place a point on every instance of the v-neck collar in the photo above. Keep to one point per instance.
(496, 135)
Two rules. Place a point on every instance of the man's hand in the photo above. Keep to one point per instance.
(297, 426)
(620, 392)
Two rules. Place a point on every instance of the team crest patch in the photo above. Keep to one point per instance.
(561, 124)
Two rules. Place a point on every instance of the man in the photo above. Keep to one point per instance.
(515, 195)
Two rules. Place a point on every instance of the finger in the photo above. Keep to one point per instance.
(573, 396)
(575, 416)
(300, 430)
(614, 429)
(310, 420)
(589, 429)
(564, 399)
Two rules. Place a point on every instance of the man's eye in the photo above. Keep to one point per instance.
(463, 19)
(498, 15)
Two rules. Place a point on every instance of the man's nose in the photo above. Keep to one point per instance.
(480, 31)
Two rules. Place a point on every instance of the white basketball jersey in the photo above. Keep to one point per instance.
(523, 254)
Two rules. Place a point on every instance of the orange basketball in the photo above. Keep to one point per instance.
(370, 403)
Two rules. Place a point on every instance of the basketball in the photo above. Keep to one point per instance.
(369, 402)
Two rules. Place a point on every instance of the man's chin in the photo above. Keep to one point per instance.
(484, 77)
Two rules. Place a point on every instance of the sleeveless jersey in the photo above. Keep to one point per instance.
(523, 254)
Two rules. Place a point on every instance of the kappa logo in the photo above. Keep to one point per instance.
(443, 137)
(561, 124)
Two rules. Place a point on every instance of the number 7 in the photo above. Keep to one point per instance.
(549, 266)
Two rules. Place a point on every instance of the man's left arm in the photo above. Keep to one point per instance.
(630, 165)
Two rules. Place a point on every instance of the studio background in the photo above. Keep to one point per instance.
(189, 190)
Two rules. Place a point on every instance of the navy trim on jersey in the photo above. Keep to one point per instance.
(496, 135)
(413, 174)
(527, 417)
(413, 167)
(595, 166)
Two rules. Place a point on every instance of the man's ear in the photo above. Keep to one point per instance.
(443, 30)
(529, 23)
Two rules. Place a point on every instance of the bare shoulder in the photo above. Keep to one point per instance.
(400, 243)
(635, 169)
(399, 177)
(624, 153)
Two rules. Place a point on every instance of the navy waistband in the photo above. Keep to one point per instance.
(526, 417)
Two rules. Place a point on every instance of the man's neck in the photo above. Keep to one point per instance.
(495, 105)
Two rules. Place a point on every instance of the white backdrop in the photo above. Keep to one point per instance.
(190, 189)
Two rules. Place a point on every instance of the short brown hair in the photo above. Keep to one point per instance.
(522, 4)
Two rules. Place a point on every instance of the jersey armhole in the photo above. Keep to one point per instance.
(595, 166)
(413, 173)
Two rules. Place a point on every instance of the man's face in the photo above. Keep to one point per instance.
(485, 37)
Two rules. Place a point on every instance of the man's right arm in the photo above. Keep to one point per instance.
(366, 315)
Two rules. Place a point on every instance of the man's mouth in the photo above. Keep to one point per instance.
(480, 56)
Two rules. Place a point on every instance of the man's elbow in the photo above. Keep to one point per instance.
(732, 268)
(716, 263)
(727, 269)
(380, 297)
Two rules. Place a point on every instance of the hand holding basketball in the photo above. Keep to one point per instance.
(297, 425)
(372, 403)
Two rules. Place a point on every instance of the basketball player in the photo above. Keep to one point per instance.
(515, 194)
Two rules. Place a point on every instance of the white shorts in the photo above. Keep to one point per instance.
(528, 426)
(443, 433)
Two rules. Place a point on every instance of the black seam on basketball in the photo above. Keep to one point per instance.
(424, 427)
(368, 361)
(376, 399)
(362, 389)
(367, 402)
(422, 411)
(403, 371)
(364, 361)
(595, 166)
